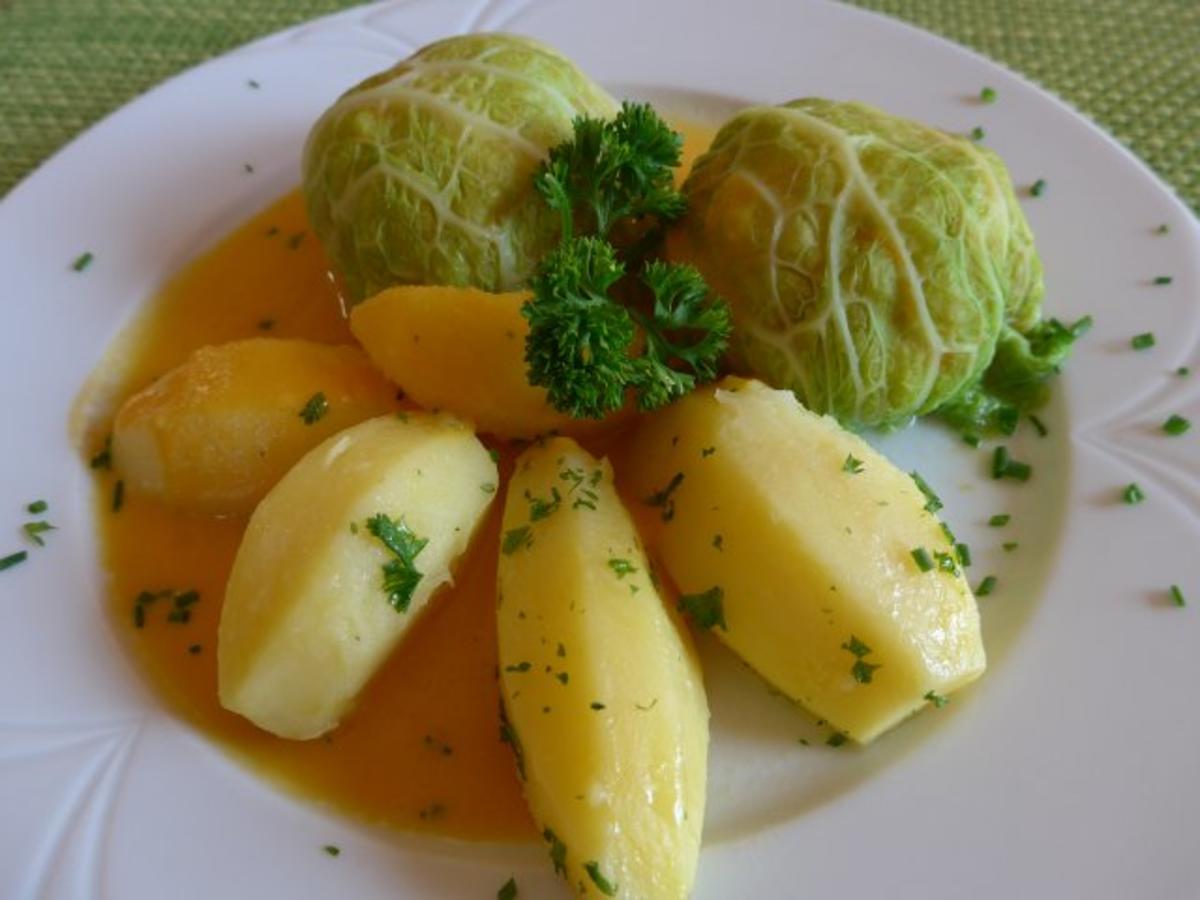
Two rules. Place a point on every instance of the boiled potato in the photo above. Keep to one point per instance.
(214, 434)
(461, 350)
(338, 561)
(605, 705)
(793, 541)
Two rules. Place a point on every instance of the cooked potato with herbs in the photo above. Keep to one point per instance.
(216, 433)
(339, 560)
(814, 558)
(460, 350)
(605, 705)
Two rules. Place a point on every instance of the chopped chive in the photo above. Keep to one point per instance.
(1142, 341)
(987, 95)
(938, 700)
(12, 559)
(923, 560)
(1176, 425)
(963, 552)
(1038, 425)
(37, 506)
(946, 563)
(1133, 494)
(1162, 279)
(82, 261)
(853, 465)
(1164, 228)
(118, 496)
(1183, 371)
(494, 454)
(331, 849)
(971, 440)
(1038, 188)
(1004, 466)
(932, 502)
(596, 704)
(948, 532)
(603, 885)
(35, 530)
(986, 586)
(1177, 596)
(977, 133)
(1010, 546)
(999, 520)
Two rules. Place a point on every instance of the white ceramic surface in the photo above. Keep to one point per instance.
(1072, 770)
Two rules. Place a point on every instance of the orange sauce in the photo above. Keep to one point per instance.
(421, 750)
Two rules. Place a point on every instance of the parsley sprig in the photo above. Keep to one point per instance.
(594, 334)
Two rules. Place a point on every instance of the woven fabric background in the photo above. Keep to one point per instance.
(1132, 65)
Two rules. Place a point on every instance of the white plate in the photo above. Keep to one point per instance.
(1072, 770)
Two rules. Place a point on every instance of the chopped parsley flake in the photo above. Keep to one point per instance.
(707, 608)
(37, 506)
(1183, 371)
(718, 541)
(977, 133)
(1164, 228)
(540, 509)
(488, 488)
(622, 567)
(1010, 546)
(35, 530)
(603, 885)
(923, 560)
(508, 735)
(863, 671)
(936, 699)
(1038, 188)
(508, 890)
(1177, 596)
(12, 559)
(295, 240)
(1176, 425)
(315, 408)
(664, 499)
(987, 95)
(999, 520)
(558, 852)
(330, 849)
(932, 502)
(494, 454)
(836, 739)
(596, 704)
(1162, 279)
(400, 574)
(1133, 494)
(118, 496)
(82, 261)
(563, 677)
(519, 667)
(853, 465)
(194, 649)
(1142, 341)
(707, 451)
(1004, 466)
(856, 647)
(515, 539)
(103, 459)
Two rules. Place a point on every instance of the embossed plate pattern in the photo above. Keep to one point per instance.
(1071, 770)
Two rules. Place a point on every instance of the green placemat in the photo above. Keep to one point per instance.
(1132, 65)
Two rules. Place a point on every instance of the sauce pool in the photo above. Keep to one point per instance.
(421, 750)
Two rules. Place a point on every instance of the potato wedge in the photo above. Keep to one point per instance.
(605, 705)
(802, 560)
(338, 561)
(461, 350)
(215, 434)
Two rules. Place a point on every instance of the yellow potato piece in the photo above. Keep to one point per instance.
(605, 705)
(745, 496)
(307, 617)
(214, 434)
(461, 350)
